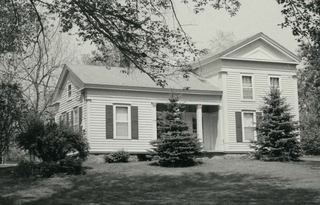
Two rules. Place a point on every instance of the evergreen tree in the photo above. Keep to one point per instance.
(276, 132)
(176, 146)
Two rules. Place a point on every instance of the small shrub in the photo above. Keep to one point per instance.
(119, 156)
(26, 169)
(46, 169)
(9, 201)
(310, 140)
(144, 157)
(71, 166)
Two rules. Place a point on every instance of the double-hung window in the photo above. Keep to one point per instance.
(122, 122)
(69, 91)
(76, 119)
(247, 87)
(64, 119)
(248, 119)
(274, 82)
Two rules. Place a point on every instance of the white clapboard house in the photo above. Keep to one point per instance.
(118, 111)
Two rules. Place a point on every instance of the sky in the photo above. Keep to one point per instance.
(254, 16)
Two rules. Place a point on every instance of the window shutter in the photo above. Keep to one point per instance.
(239, 127)
(67, 119)
(60, 120)
(134, 123)
(71, 120)
(80, 119)
(109, 121)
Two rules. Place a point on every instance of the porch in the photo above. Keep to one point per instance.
(204, 121)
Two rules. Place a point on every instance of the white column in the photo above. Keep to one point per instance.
(88, 113)
(199, 122)
(220, 130)
(154, 119)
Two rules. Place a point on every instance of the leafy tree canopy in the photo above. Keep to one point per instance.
(12, 108)
(137, 28)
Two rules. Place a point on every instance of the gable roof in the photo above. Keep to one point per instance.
(100, 77)
(291, 58)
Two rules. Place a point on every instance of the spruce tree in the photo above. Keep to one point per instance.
(276, 132)
(176, 147)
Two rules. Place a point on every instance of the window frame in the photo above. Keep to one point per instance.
(64, 118)
(69, 92)
(254, 125)
(115, 122)
(274, 76)
(241, 86)
(75, 126)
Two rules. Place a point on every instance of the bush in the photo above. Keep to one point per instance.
(144, 157)
(9, 201)
(310, 140)
(277, 132)
(71, 166)
(26, 169)
(176, 146)
(177, 151)
(51, 142)
(119, 156)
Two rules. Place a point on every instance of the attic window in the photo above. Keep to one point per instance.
(69, 91)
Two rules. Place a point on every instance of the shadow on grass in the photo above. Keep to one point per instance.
(191, 188)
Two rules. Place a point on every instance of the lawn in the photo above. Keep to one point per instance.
(216, 181)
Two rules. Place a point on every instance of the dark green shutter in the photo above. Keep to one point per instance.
(71, 119)
(134, 123)
(109, 121)
(60, 120)
(80, 119)
(239, 127)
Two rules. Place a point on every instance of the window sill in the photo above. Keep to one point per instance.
(248, 100)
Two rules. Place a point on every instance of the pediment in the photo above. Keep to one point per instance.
(261, 50)
(261, 53)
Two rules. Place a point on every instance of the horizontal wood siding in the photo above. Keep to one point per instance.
(261, 86)
(101, 98)
(67, 104)
(98, 141)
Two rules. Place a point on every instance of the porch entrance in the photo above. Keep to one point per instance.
(209, 123)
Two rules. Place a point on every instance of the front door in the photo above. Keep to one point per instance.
(210, 124)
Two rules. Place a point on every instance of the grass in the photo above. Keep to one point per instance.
(216, 181)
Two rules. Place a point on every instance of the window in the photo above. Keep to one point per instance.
(247, 87)
(274, 82)
(249, 133)
(69, 91)
(64, 119)
(76, 119)
(122, 120)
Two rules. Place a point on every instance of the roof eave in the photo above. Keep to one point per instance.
(150, 89)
